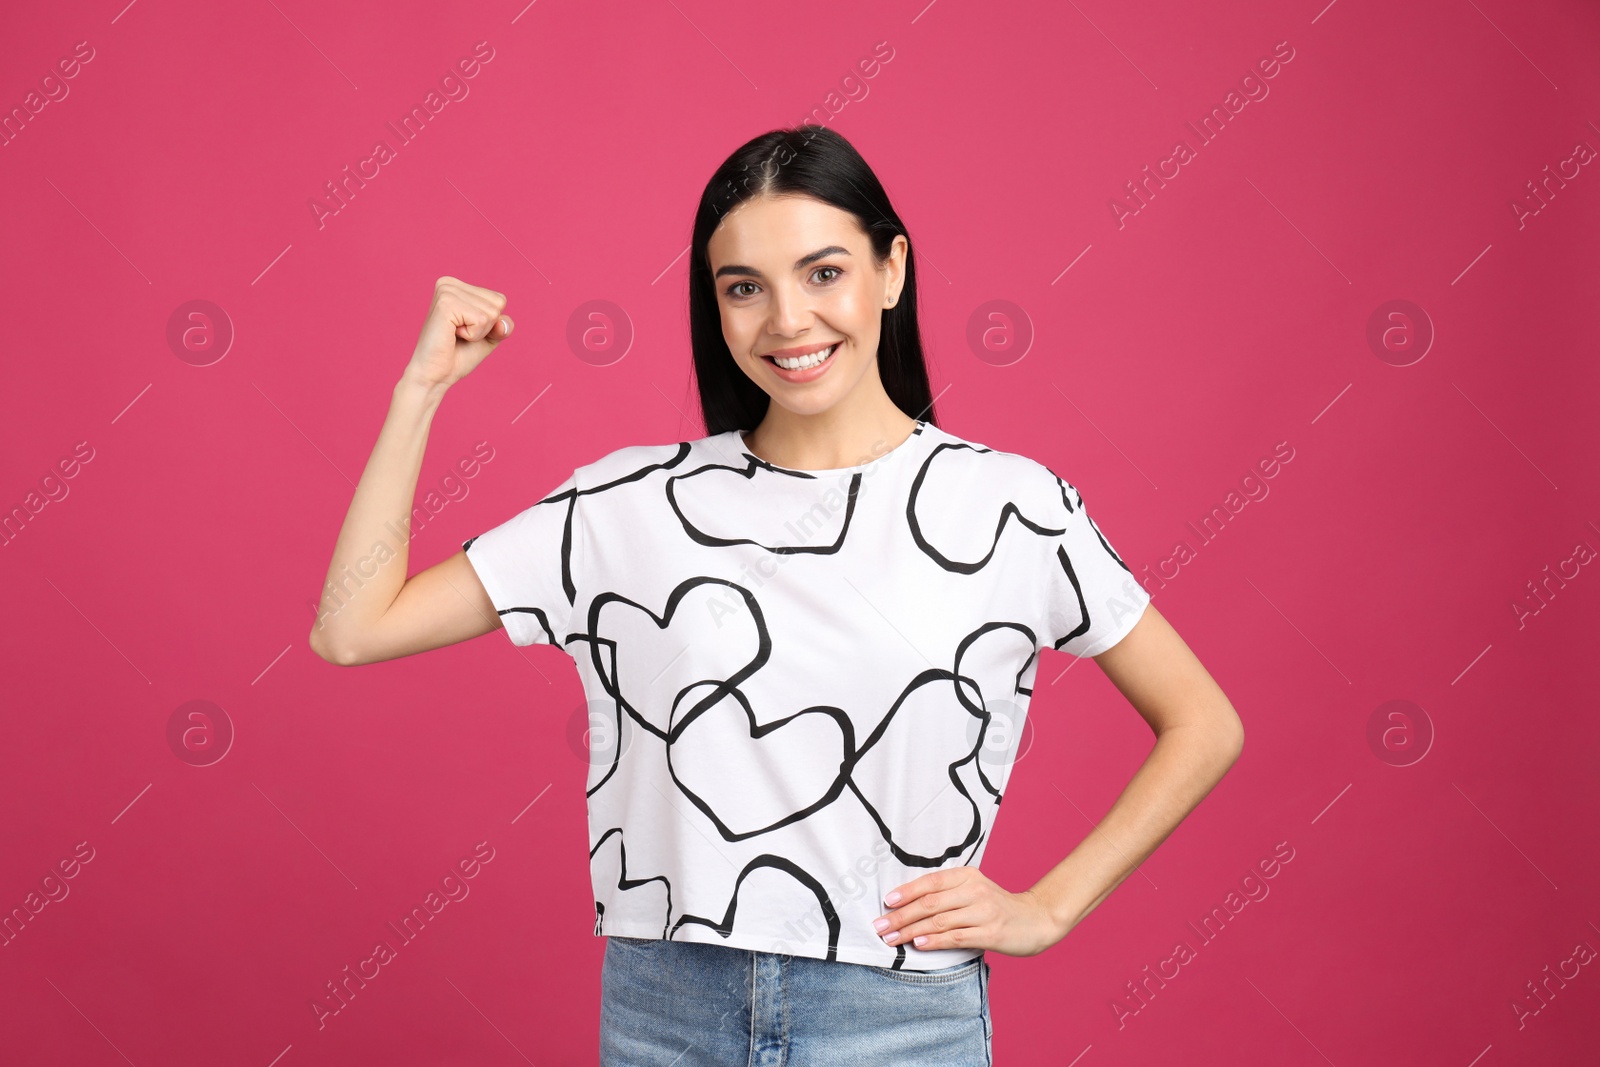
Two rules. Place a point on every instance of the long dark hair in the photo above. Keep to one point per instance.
(809, 161)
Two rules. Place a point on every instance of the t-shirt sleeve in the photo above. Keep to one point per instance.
(1093, 599)
(527, 565)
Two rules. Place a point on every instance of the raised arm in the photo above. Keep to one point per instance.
(369, 610)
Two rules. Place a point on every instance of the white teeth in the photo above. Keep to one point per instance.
(801, 362)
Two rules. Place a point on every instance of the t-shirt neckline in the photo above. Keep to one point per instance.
(733, 441)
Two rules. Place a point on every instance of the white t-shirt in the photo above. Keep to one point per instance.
(805, 687)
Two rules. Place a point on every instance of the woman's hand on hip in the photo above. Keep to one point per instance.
(960, 907)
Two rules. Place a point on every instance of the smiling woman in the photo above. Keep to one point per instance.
(845, 295)
(815, 306)
(808, 640)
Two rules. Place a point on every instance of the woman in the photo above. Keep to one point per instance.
(810, 637)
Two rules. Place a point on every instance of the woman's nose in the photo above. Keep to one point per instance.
(789, 312)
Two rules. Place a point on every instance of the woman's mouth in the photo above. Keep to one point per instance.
(803, 368)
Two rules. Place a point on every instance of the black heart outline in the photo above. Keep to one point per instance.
(748, 472)
(724, 927)
(608, 680)
(625, 883)
(931, 676)
(978, 710)
(1006, 511)
(846, 764)
(568, 583)
(981, 710)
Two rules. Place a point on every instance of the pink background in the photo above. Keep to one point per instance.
(1229, 314)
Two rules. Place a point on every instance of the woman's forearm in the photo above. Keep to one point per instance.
(1185, 764)
(370, 557)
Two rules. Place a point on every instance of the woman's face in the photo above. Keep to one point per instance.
(793, 273)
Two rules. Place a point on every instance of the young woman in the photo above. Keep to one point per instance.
(812, 636)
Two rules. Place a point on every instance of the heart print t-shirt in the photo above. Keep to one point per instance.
(805, 688)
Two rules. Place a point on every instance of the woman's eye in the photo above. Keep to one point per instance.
(734, 290)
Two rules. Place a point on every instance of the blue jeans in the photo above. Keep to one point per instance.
(690, 1004)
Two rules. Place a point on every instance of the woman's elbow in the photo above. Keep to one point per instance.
(1231, 734)
(340, 655)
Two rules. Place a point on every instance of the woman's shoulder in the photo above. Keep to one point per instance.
(638, 460)
(990, 463)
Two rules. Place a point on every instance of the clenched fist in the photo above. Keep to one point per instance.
(464, 325)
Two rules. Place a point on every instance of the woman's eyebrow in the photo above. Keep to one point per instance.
(799, 264)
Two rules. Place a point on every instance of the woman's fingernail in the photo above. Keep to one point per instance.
(919, 941)
(879, 924)
(891, 937)
(892, 899)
